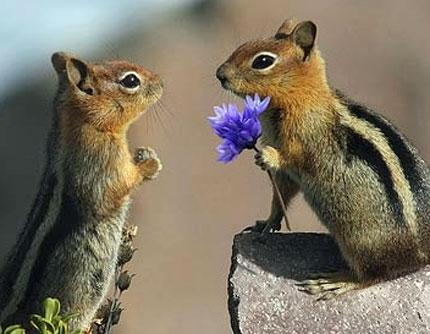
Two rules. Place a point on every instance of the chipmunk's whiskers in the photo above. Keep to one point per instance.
(158, 108)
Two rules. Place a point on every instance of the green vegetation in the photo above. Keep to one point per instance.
(52, 322)
(108, 315)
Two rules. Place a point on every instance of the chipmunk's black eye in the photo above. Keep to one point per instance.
(130, 81)
(263, 61)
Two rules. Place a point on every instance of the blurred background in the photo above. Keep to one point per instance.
(375, 51)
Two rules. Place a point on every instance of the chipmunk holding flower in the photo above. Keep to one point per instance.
(364, 180)
(68, 248)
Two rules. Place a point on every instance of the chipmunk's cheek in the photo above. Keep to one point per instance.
(150, 95)
(157, 88)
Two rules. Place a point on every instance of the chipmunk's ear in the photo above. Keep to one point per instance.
(286, 28)
(304, 35)
(74, 70)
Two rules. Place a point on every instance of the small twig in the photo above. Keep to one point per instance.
(115, 298)
(269, 227)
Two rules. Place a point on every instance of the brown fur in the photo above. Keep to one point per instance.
(307, 124)
(72, 253)
(99, 125)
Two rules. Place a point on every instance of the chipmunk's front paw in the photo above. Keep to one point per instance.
(148, 162)
(268, 158)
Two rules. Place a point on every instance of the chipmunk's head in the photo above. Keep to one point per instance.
(277, 65)
(108, 95)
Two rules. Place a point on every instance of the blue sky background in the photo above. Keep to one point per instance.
(30, 31)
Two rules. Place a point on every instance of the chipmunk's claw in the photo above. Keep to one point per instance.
(328, 285)
(144, 153)
(259, 161)
(149, 163)
(260, 225)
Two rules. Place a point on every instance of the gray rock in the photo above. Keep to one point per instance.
(263, 297)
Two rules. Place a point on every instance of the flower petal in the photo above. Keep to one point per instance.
(227, 151)
(239, 130)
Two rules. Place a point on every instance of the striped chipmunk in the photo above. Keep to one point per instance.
(68, 247)
(361, 176)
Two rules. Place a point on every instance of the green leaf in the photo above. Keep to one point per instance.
(15, 329)
(52, 322)
(61, 330)
(44, 326)
(52, 308)
(62, 327)
(36, 322)
(55, 321)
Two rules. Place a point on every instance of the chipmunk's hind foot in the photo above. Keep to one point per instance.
(329, 285)
(260, 225)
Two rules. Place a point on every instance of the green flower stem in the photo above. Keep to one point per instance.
(269, 227)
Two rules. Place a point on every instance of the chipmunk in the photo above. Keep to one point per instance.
(68, 248)
(364, 180)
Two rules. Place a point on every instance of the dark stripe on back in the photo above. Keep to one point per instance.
(396, 143)
(35, 218)
(362, 149)
(68, 220)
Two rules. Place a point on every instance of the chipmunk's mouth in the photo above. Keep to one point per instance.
(222, 75)
(226, 82)
(229, 87)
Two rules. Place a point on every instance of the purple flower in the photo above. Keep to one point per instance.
(238, 130)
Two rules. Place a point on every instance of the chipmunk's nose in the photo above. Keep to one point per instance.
(221, 75)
